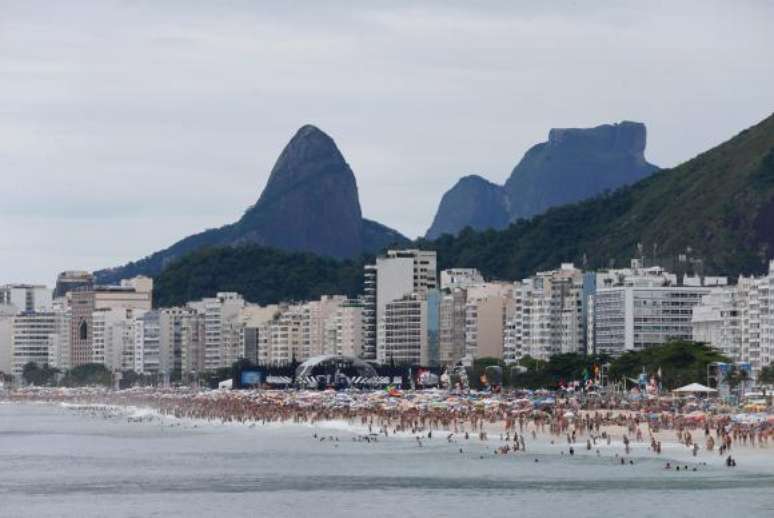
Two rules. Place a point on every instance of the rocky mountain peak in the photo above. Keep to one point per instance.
(310, 154)
(573, 165)
(624, 137)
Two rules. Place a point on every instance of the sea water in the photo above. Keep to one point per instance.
(61, 461)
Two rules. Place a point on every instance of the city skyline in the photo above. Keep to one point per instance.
(170, 124)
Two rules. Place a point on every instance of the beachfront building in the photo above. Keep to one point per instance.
(59, 344)
(221, 314)
(69, 281)
(286, 335)
(316, 314)
(344, 330)
(738, 320)
(178, 340)
(409, 330)
(452, 325)
(148, 356)
(636, 308)
(256, 332)
(396, 274)
(113, 337)
(548, 316)
(487, 308)
(716, 321)
(33, 335)
(26, 298)
(135, 294)
(7, 313)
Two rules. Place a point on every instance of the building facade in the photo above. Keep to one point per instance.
(396, 274)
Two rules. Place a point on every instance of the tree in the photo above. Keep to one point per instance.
(766, 375)
(735, 377)
(681, 362)
(560, 368)
(88, 374)
(33, 374)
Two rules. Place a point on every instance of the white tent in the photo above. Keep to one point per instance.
(695, 388)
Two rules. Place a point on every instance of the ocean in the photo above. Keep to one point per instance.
(57, 461)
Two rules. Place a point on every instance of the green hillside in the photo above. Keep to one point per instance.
(261, 275)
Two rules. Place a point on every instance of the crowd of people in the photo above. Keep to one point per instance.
(580, 423)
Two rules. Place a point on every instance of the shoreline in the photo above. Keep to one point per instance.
(535, 436)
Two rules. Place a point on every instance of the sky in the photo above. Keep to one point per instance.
(127, 125)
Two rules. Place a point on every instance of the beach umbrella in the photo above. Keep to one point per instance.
(695, 388)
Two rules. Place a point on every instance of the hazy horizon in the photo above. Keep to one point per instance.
(129, 125)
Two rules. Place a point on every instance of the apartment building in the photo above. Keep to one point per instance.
(548, 315)
(396, 274)
(409, 330)
(636, 308)
(738, 320)
(33, 335)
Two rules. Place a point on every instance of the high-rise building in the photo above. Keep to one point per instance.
(316, 314)
(134, 294)
(178, 341)
(738, 320)
(396, 274)
(70, 281)
(637, 308)
(454, 278)
(221, 328)
(59, 346)
(287, 335)
(148, 356)
(256, 323)
(409, 330)
(716, 321)
(344, 330)
(27, 298)
(7, 312)
(549, 314)
(370, 276)
(486, 310)
(33, 335)
(452, 326)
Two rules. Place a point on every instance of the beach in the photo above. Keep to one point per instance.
(69, 459)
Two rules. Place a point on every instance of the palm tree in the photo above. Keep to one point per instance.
(735, 377)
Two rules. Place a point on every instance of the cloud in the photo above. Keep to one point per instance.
(125, 125)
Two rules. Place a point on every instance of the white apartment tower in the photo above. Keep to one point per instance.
(396, 274)
(636, 308)
(221, 318)
(548, 315)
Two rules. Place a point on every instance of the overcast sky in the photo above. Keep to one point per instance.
(126, 125)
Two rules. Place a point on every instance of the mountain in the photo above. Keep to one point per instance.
(473, 202)
(310, 204)
(714, 213)
(715, 210)
(573, 165)
(576, 164)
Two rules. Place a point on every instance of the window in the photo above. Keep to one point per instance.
(83, 331)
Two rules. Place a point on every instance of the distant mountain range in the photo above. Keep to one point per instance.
(310, 204)
(716, 210)
(574, 165)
